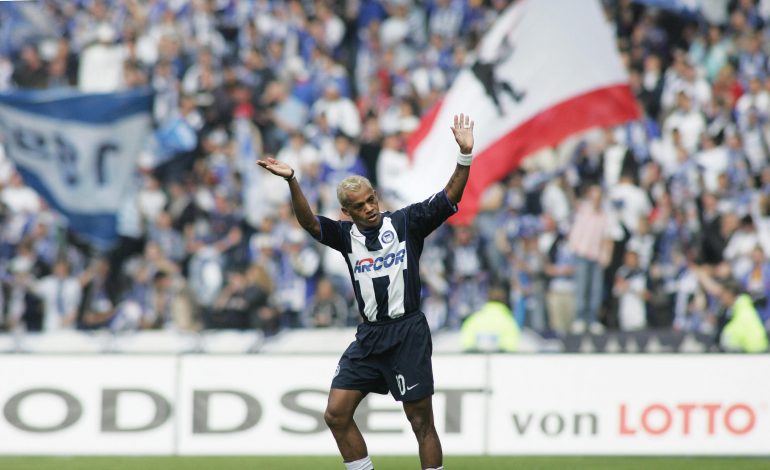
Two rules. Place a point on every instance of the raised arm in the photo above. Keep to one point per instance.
(463, 131)
(709, 284)
(302, 210)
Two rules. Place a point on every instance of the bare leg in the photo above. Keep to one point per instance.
(339, 417)
(420, 415)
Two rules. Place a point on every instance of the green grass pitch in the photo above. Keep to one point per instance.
(381, 463)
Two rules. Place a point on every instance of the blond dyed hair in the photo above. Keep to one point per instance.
(351, 184)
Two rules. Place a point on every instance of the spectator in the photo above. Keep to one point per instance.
(467, 270)
(235, 304)
(30, 71)
(340, 94)
(492, 328)
(151, 199)
(630, 202)
(643, 243)
(756, 283)
(391, 162)
(340, 159)
(739, 248)
(101, 63)
(630, 291)
(169, 240)
(328, 307)
(23, 308)
(688, 121)
(742, 330)
(286, 115)
(263, 317)
(339, 110)
(298, 265)
(590, 241)
(660, 292)
(61, 294)
(100, 295)
(560, 274)
(712, 237)
(531, 264)
(170, 304)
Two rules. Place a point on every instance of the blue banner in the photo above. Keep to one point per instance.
(78, 151)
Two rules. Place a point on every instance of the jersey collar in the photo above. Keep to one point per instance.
(368, 232)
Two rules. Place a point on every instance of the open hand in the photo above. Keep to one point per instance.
(275, 167)
(463, 131)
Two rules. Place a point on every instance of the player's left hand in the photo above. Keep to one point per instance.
(463, 131)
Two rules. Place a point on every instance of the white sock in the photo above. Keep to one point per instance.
(437, 468)
(361, 464)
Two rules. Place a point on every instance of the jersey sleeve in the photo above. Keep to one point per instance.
(426, 216)
(332, 233)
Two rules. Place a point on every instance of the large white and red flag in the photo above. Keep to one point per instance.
(546, 70)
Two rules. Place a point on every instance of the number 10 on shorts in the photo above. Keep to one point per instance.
(402, 387)
(401, 384)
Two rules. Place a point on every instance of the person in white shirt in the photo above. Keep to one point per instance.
(101, 63)
(669, 152)
(23, 206)
(630, 289)
(61, 294)
(18, 197)
(740, 246)
(756, 99)
(151, 199)
(713, 160)
(395, 28)
(643, 243)
(333, 26)
(341, 112)
(614, 154)
(556, 201)
(630, 202)
(391, 164)
(691, 123)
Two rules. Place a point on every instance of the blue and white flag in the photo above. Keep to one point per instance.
(78, 151)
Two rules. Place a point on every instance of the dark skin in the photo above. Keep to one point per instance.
(363, 208)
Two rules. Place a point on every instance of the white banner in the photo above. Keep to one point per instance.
(630, 405)
(87, 405)
(495, 405)
(275, 405)
(546, 69)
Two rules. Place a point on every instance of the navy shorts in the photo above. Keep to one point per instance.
(394, 356)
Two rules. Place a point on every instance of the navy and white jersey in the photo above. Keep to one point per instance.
(384, 262)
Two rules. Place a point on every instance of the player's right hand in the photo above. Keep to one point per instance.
(275, 167)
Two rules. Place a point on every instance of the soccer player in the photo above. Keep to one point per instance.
(392, 349)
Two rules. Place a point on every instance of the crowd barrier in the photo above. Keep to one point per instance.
(236, 404)
(332, 340)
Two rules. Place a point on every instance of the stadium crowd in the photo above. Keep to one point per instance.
(642, 226)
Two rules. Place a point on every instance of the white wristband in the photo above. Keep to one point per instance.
(464, 160)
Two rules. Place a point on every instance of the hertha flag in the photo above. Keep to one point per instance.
(547, 69)
(78, 151)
